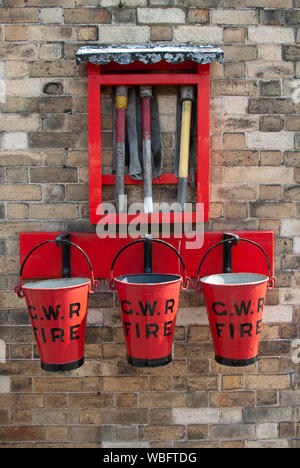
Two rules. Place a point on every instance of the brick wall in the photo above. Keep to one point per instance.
(255, 156)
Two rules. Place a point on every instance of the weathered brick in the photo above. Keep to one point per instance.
(231, 399)
(197, 432)
(131, 384)
(271, 17)
(161, 33)
(54, 416)
(234, 70)
(56, 33)
(22, 433)
(89, 433)
(15, 33)
(270, 192)
(52, 3)
(198, 16)
(270, 141)
(53, 140)
(268, 52)
(235, 158)
(19, 123)
(25, 87)
(125, 34)
(50, 51)
(86, 15)
(292, 192)
(51, 174)
(161, 400)
(199, 3)
(270, 3)
(20, 158)
(20, 192)
(292, 122)
(234, 88)
(291, 158)
(240, 52)
(236, 17)
(127, 15)
(236, 210)
(234, 34)
(270, 34)
(54, 211)
(265, 415)
(233, 431)
(237, 123)
(272, 210)
(198, 34)
(267, 382)
(87, 33)
(51, 15)
(125, 416)
(270, 88)
(234, 192)
(157, 15)
(270, 70)
(15, 70)
(290, 397)
(195, 416)
(162, 432)
(18, 51)
(270, 106)
(270, 123)
(19, 15)
(16, 175)
(60, 104)
(51, 69)
(292, 18)
(290, 227)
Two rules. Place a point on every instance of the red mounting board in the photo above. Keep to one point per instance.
(160, 74)
(46, 261)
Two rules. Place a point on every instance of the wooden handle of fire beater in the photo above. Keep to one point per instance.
(121, 105)
(186, 96)
(146, 95)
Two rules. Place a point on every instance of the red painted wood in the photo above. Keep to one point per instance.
(162, 66)
(109, 179)
(94, 123)
(148, 79)
(97, 78)
(203, 140)
(45, 262)
(121, 125)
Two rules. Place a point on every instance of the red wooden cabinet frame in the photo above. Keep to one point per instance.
(162, 73)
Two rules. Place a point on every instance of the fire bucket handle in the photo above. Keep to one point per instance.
(110, 281)
(94, 283)
(272, 279)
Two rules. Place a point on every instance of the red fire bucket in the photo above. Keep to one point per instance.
(58, 312)
(235, 304)
(149, 304)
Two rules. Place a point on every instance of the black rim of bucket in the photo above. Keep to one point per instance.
(235, 362)
(62, 367)
(159, 362)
